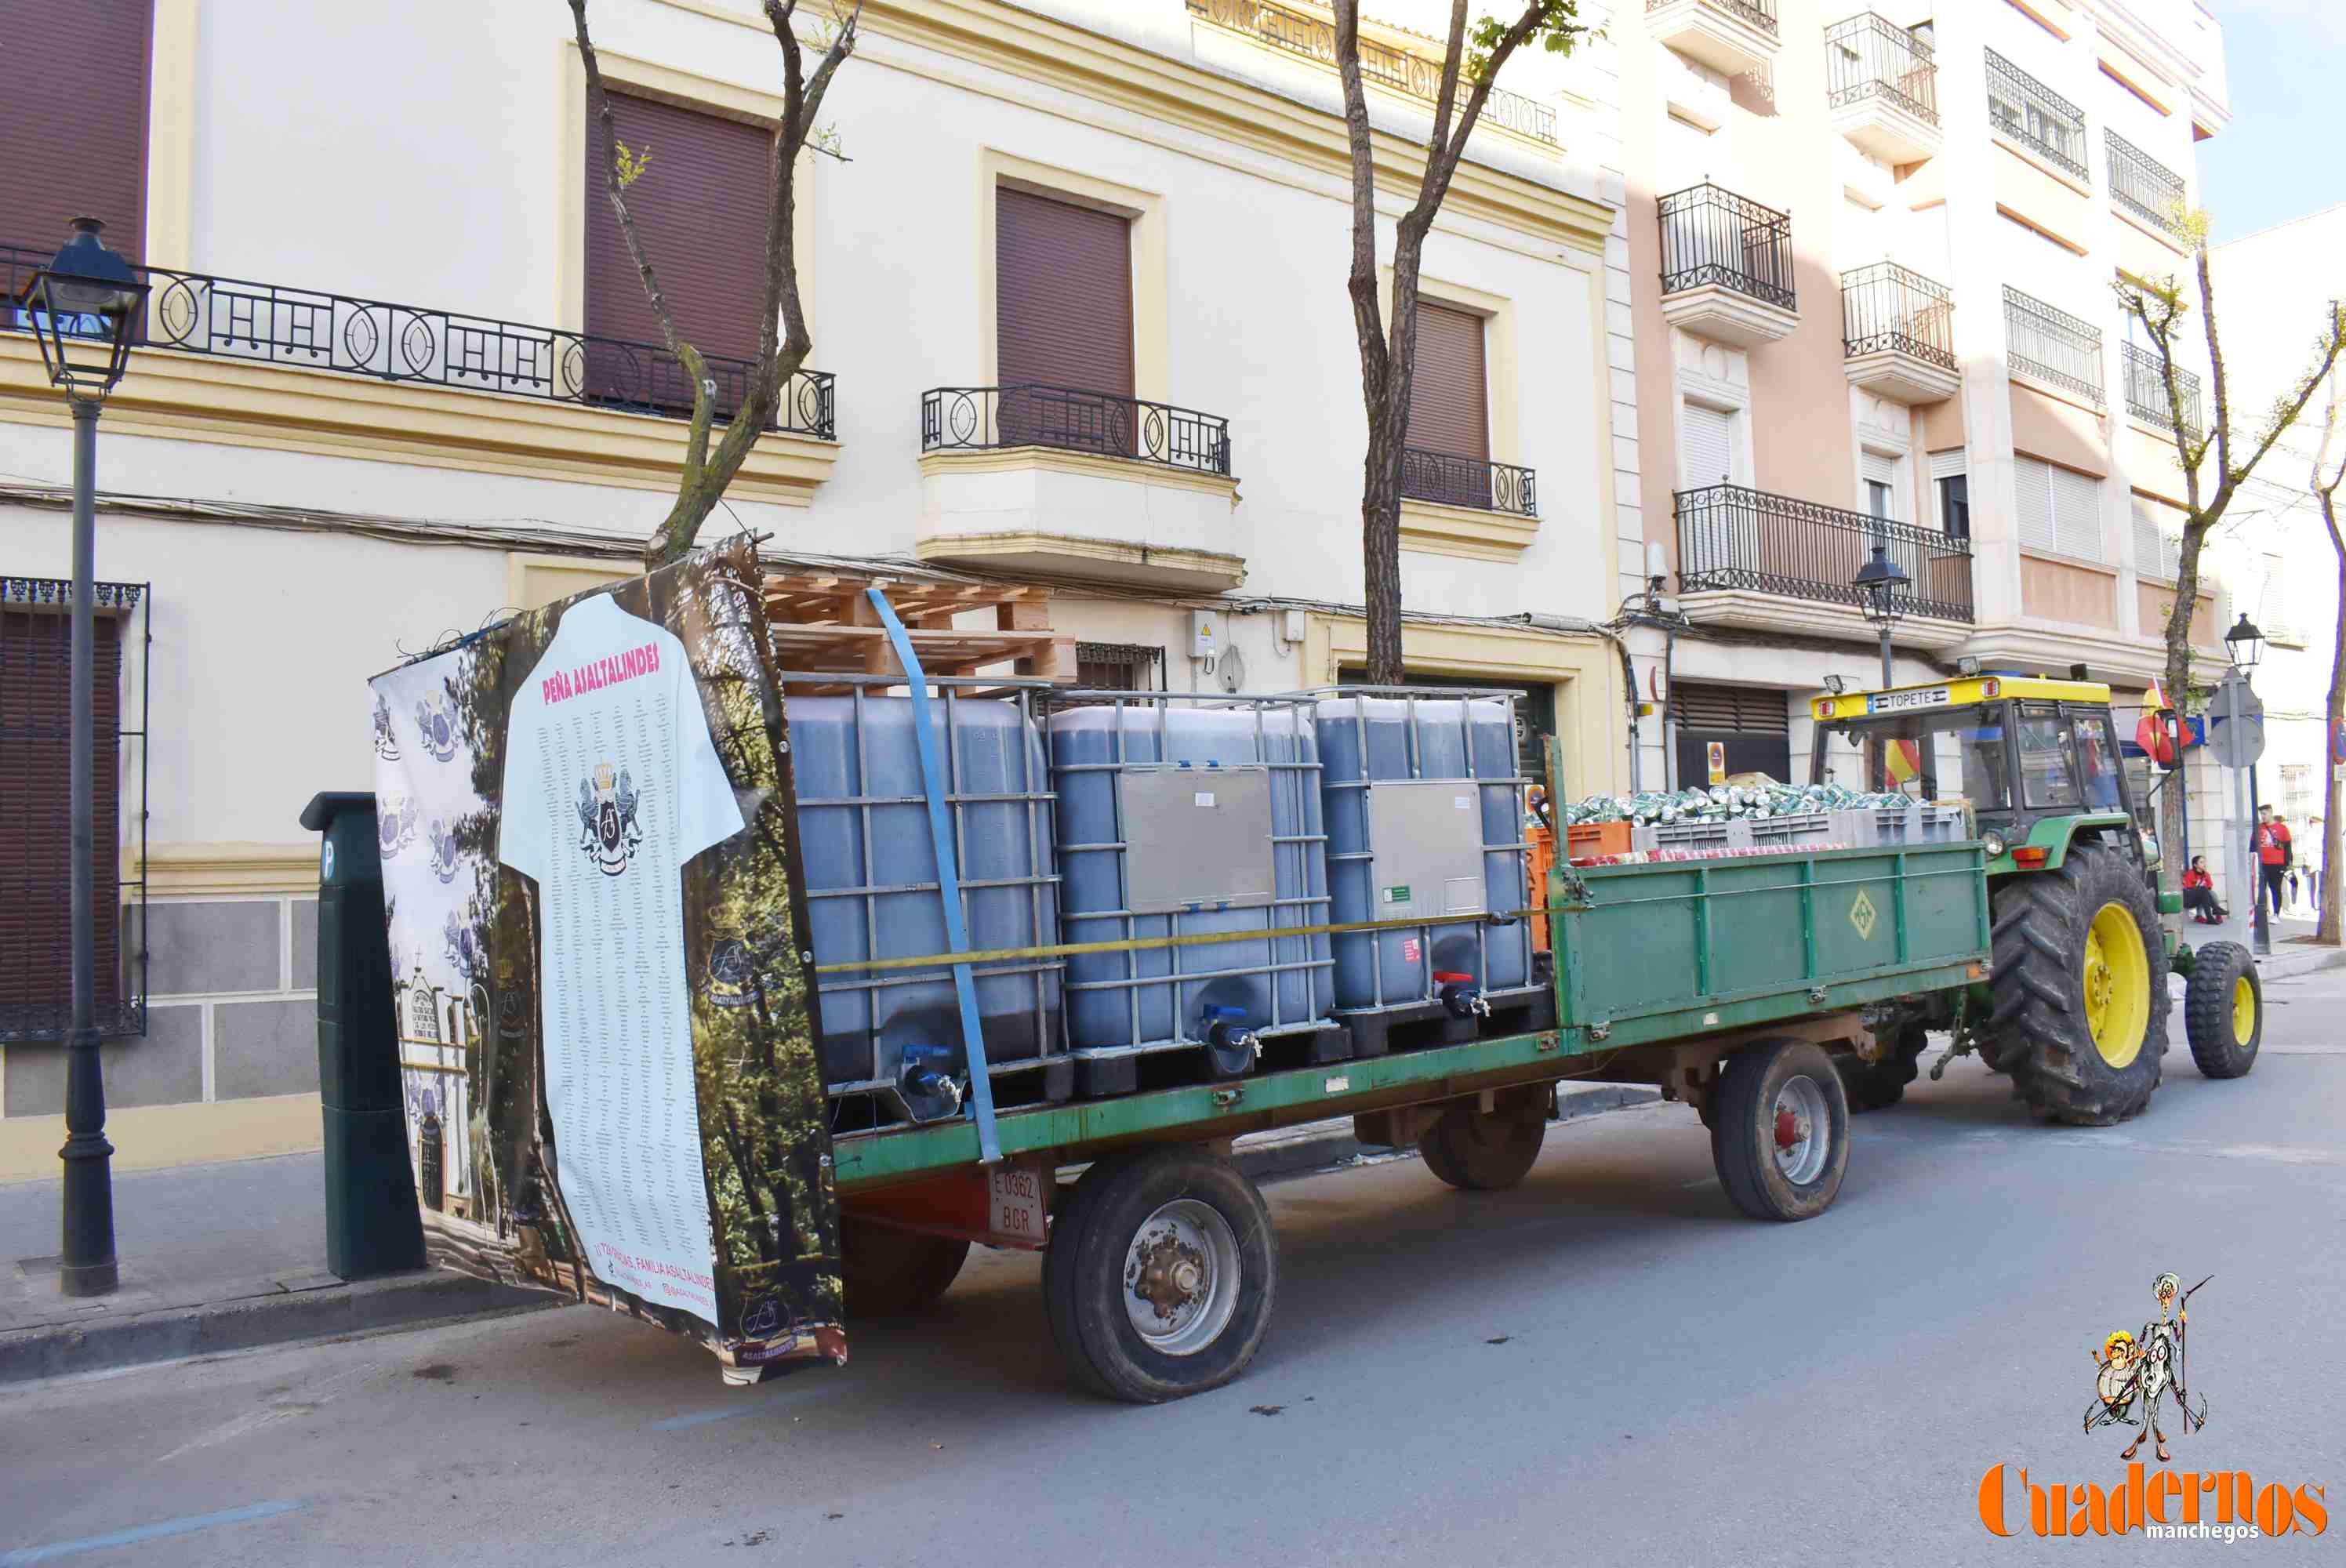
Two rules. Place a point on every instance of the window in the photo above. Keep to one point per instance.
(1926, 758)
(1707, 445)
(1117, 667)
(2059, 508)
(1448, 397)
(73, 122)
(1063, 322)
(702, 218)
(1880, 473)
(2157, 539)
(2048, 761)
(2097, 763)
(1954, 488)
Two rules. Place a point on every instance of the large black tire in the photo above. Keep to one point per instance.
(2041, 1028)
(884, 1271)
(1873, 1085)
(1476, 1152)
(2224, 986)
(1170, 1238)
(1780, 1141)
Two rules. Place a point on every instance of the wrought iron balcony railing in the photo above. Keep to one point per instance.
(1711, 236)
(2052, 344)
(1870, 56)
(2035, 116)
(1314, 38)
(232, 318)
(2145, 393)
(1885, 306)
(2143, 186)
(1454, 481)
(1736, 538)
(1760, 13)
(980, 419)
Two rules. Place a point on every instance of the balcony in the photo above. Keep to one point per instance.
(2144, 186)
(1401, 71)
(2145, 393)
(1730, 35)
(1067, 483)
(1881, 89)
(1727, 267)
(2051, 346)
(1774, 563)
(2032, 116)
(1898, 333)
(302, 329)
(1453, 505)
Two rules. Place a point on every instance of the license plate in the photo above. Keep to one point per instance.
(1907, 701)
(1015, 1204)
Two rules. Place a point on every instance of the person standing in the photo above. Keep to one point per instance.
(2273, 854)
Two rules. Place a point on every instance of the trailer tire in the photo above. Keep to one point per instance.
(2079, 989)
(2224, 1010)
(1476, 1151)
(1781, 1142)
(1161, 1275)
(1876, 1085)
(884, 1271)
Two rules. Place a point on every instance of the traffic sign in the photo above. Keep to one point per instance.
(2236, 724)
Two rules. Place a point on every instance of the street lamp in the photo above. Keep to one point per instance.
(85, 308)
(1878, 582)
(2244, 644)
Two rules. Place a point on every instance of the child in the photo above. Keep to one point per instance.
(2199, 893)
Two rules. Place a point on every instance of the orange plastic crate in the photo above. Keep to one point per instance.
(1597, 839)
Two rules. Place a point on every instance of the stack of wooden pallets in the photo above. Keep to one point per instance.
(823, 622)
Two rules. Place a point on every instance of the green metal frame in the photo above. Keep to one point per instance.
(2053, 835)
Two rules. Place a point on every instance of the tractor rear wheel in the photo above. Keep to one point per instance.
(1875, 1085)
(2080, 988)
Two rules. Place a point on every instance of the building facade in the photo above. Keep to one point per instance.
(1874, 253)
(1077, 287)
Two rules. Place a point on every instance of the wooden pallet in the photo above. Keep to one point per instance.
(825, 623)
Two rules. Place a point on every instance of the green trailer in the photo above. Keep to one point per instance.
(1733, 984)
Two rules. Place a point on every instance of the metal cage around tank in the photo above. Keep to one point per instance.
(871, 874)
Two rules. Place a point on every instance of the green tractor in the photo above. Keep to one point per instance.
(2075, 1004)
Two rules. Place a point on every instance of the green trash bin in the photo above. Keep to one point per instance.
(372, 1223)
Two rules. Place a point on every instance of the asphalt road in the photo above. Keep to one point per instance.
(1604, 1366)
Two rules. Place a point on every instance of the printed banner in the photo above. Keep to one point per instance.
(605, 1018)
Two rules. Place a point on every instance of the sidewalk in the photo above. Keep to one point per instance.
(2293, 951)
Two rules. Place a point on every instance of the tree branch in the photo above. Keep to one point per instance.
(1361, 282)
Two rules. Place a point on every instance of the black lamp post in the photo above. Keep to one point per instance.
(85, 308)
(2244, 645)
(1878, 583)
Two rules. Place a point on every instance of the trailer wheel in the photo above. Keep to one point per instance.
(1781, 1144)
(1876, 1085)
(1476, 1151)
(1160, 1275)
(2224, 1010)
(884, 1271)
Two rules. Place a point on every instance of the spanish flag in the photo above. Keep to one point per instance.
(2154, 698)
(1904, 761)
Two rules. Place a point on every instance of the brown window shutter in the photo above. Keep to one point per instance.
(36, 820)
(73, 121)
(700, 209)
(1063, 319)
(1447, 412)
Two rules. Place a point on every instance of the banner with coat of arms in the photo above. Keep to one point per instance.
(605, 1018)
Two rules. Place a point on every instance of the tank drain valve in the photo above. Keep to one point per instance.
(1233, 1047)
(930, 1090)
(1461, 996)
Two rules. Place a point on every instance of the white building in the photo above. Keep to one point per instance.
(307, 481)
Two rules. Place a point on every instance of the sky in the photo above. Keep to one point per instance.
(2278, 159)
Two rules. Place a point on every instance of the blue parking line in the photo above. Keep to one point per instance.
(25, 1555)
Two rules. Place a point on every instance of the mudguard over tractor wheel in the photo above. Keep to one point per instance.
(2079, 987)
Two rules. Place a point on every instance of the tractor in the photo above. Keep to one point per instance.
(2075, 1004)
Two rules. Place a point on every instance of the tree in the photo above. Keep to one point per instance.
(783, 342)
(2324, 481)
(1388, 352)
(2215, 464)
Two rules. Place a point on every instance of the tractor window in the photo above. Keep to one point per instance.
(2049, 759)
(1946, 757)
(2098, 759)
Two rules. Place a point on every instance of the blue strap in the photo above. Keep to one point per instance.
(934, 785)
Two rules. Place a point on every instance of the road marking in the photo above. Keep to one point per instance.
(2278, 1153)
(24, 1556)
(751, 1406)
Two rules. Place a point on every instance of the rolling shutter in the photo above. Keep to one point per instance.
(1063, 319)
(700, 209)
(1739, 709)
(2077, 514)
(2033, 480)
(1707, 437)
(1447, 412)
(73, 122)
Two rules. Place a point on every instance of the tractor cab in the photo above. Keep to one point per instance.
(2035, 759)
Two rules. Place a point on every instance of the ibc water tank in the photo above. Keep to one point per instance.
(1181, 817)
(872, 879)
(1424, 816)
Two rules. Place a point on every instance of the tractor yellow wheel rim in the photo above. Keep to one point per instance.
(2118, 984)
(2244, 1010)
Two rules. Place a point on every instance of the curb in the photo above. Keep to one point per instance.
(1319, 1146)
(169, 1334)
(2306, 961)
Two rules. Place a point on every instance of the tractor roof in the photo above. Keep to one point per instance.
(1960, 692)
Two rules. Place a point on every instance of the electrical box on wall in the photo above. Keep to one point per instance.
(1205, 634)
(1291, 626)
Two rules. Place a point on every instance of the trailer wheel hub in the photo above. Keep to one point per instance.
(1181, 1277)
(1803, 1130)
